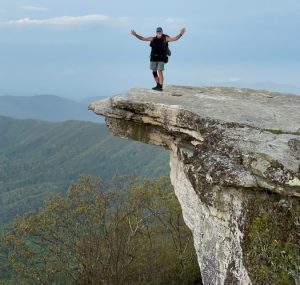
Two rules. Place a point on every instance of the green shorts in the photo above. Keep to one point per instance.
(157, 65)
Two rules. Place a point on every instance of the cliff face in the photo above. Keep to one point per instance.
(233, 152)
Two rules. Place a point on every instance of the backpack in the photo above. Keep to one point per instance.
(167, 51)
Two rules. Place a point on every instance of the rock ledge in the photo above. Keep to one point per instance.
(228, 148)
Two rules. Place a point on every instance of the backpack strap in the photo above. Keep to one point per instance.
(165, 37)
(151, 42)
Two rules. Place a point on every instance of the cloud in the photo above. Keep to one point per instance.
(62, 21)
(33, 8)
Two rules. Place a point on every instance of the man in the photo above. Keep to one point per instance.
(158, 53)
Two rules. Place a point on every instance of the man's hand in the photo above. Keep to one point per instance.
(183, 30)
(133, 33)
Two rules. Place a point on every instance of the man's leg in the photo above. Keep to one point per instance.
(157, 68)
(155, 75)
(161, 77)
(160, 69)
(160, 82)
(153, 67)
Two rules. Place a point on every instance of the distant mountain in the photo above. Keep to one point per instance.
(46, 107)
(39, 159)
(92, 99)
(277, 87)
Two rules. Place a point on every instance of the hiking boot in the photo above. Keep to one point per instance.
(154, 88)
(158, 88)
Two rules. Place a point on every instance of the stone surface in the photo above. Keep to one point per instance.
(227, 145)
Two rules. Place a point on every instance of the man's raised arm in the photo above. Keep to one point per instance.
(140, 37)
(170, 39)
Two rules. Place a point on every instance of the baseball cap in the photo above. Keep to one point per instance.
(159, 29)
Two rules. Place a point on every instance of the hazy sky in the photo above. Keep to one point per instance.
(81, 48)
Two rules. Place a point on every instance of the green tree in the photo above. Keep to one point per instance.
(91, 236)
(274, 242)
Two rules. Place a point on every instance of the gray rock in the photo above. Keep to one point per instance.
(226, 145)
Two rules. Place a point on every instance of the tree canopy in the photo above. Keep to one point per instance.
(132, 233)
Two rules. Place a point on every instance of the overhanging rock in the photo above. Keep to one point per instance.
(229, 148)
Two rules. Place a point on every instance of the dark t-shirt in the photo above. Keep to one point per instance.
(158, 50)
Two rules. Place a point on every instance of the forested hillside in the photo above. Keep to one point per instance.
(38, 159)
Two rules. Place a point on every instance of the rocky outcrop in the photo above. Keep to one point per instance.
(231, 152)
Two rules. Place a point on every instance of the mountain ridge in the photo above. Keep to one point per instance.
(46, 107)
(39, 159)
